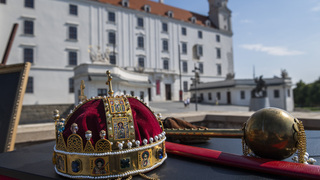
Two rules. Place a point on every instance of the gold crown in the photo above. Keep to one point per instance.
(108, 137)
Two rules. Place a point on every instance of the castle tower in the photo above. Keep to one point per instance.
(220, 15)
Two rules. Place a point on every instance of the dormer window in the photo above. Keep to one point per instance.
(170, 14)
(125, 3)
(193, 19)
(208, 22)
(147, 8)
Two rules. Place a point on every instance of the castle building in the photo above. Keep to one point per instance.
(158, 41)
(239, 92)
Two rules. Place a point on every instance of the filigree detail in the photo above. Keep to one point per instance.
(245, 149)
(161, 125)
(302, 142)
(89, 147)
(74, 143)
(61, 145)
(103, 145)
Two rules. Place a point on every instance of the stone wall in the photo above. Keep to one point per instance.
(222, 121)
(43, 113)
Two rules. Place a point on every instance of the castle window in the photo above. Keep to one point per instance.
(276, 93)
(217, 38)
(102, 92)
(112, 38)
(125, 3)
(112, 59)
(218, 95)
(73, 32)
(165, 45)
(193, 19)
(140, 22)
(140, 42)
(71, 85)
(142, 95)
(242, 95)
(208, 23)
(218, 53)
(209, 96)
(170, 14)
(29, 88)
(2, 1)
(73, 9)
(111, 17)
(200, 34)
(29, 3)
(72, 58)
(184, 66)
(28, 27)
(185, 86)
(28, 55)
(184, 48)
(184, 31)
(201, 68)
(166, 64)
(219, 71)
(141, 62)
(164, 27)
(147, 8)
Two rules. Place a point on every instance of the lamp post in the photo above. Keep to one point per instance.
(196, 80)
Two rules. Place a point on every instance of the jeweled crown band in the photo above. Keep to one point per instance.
(108, 165)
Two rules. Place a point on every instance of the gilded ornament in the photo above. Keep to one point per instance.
(270, 134)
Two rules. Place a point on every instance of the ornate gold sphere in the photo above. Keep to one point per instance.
(272, 133)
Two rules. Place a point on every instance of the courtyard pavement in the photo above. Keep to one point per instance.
(178, 107)
(175, 109)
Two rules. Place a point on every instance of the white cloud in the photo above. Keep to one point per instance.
(246, 21)
(272, 50)
(316, 8)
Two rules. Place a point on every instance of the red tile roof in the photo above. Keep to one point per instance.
(161, 10)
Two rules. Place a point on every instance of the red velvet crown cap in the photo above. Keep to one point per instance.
(145, 123)
(92, 116)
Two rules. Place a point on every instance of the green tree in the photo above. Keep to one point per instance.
(300, 94)
(307, 95)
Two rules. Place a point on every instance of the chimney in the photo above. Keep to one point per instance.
(161, 1)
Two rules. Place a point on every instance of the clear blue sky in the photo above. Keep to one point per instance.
(271, 35)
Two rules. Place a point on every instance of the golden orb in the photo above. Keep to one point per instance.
(272, 133)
